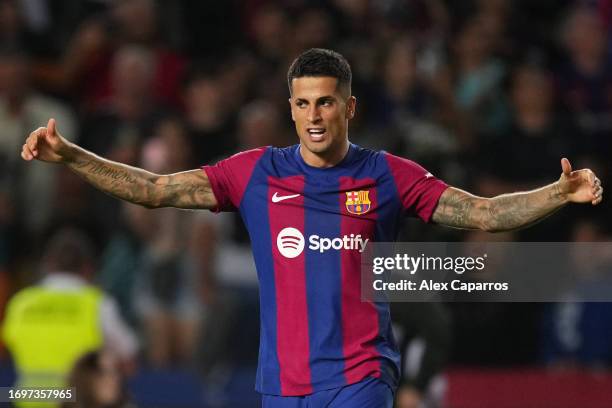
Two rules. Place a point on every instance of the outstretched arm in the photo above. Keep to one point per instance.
(459, 209)
(189, 189)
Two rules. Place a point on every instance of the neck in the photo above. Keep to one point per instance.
(329, 158)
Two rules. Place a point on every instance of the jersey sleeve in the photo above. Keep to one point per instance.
(229, 178)
(418, 190)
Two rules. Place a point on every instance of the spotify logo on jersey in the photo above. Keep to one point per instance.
(290, 242)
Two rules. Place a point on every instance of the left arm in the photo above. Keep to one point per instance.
(459, 209)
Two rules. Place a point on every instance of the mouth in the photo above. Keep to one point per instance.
(316, 134)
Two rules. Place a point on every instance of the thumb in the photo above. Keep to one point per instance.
(566, 166)
(51, 128)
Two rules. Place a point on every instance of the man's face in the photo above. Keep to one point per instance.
(321, 113)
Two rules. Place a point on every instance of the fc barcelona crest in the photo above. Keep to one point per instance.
(358, 202)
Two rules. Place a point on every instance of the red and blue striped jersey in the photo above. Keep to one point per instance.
(308, 227)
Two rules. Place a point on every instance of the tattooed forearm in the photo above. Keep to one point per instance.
(101, 169)
(190, 189)
(513, 211)
(459, 209)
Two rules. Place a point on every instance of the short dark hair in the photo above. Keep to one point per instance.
(320, 62)
(68, 250)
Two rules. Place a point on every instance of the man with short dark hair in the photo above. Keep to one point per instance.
(310, 210)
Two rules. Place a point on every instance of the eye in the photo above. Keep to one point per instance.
(300, 104)
(327, 103)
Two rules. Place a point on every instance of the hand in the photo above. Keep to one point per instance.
(579, 186)
(45, 144)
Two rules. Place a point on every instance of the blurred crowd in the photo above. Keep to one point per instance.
(487, 94)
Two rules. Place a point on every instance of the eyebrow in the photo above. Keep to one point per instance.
(319, 99)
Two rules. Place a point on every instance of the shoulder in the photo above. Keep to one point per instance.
(241, 161)
(387, 162)
(363, 155)
(252, 154)
(281, 160)
(27, 293)
(399, 164)
(20, 300)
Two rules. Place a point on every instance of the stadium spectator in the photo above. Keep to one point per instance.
(535, 128)
(20, 107)
(478, 77)
(406, 108)
(98, 383)
(119, 127)
(48, 326)
(578, 333)
(402, 92)
(168, 289)
(85, 70)
(208, 116)
(539, 137)
(585, 79)
(425, 342)
(313, 28)
(269, 29)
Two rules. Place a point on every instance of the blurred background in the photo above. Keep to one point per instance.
(486, 94)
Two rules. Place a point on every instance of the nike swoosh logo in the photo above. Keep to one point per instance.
(276, 198)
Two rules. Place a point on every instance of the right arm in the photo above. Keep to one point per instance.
(189, 189)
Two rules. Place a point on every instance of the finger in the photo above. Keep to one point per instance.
(566, 166)
(32, 144)
(26, 153)
(597, 192)
(596, 185)
(51, 127)
(598, 197)
(32, 140)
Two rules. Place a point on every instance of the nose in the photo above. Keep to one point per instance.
(314, 115)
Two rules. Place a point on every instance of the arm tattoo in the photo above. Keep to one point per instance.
(456, 209)
(459, 209)
(189, 189)
(96, 168)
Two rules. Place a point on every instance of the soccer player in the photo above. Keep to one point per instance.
(310, 210)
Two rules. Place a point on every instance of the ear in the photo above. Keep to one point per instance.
(351, 104)
(291, 107)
